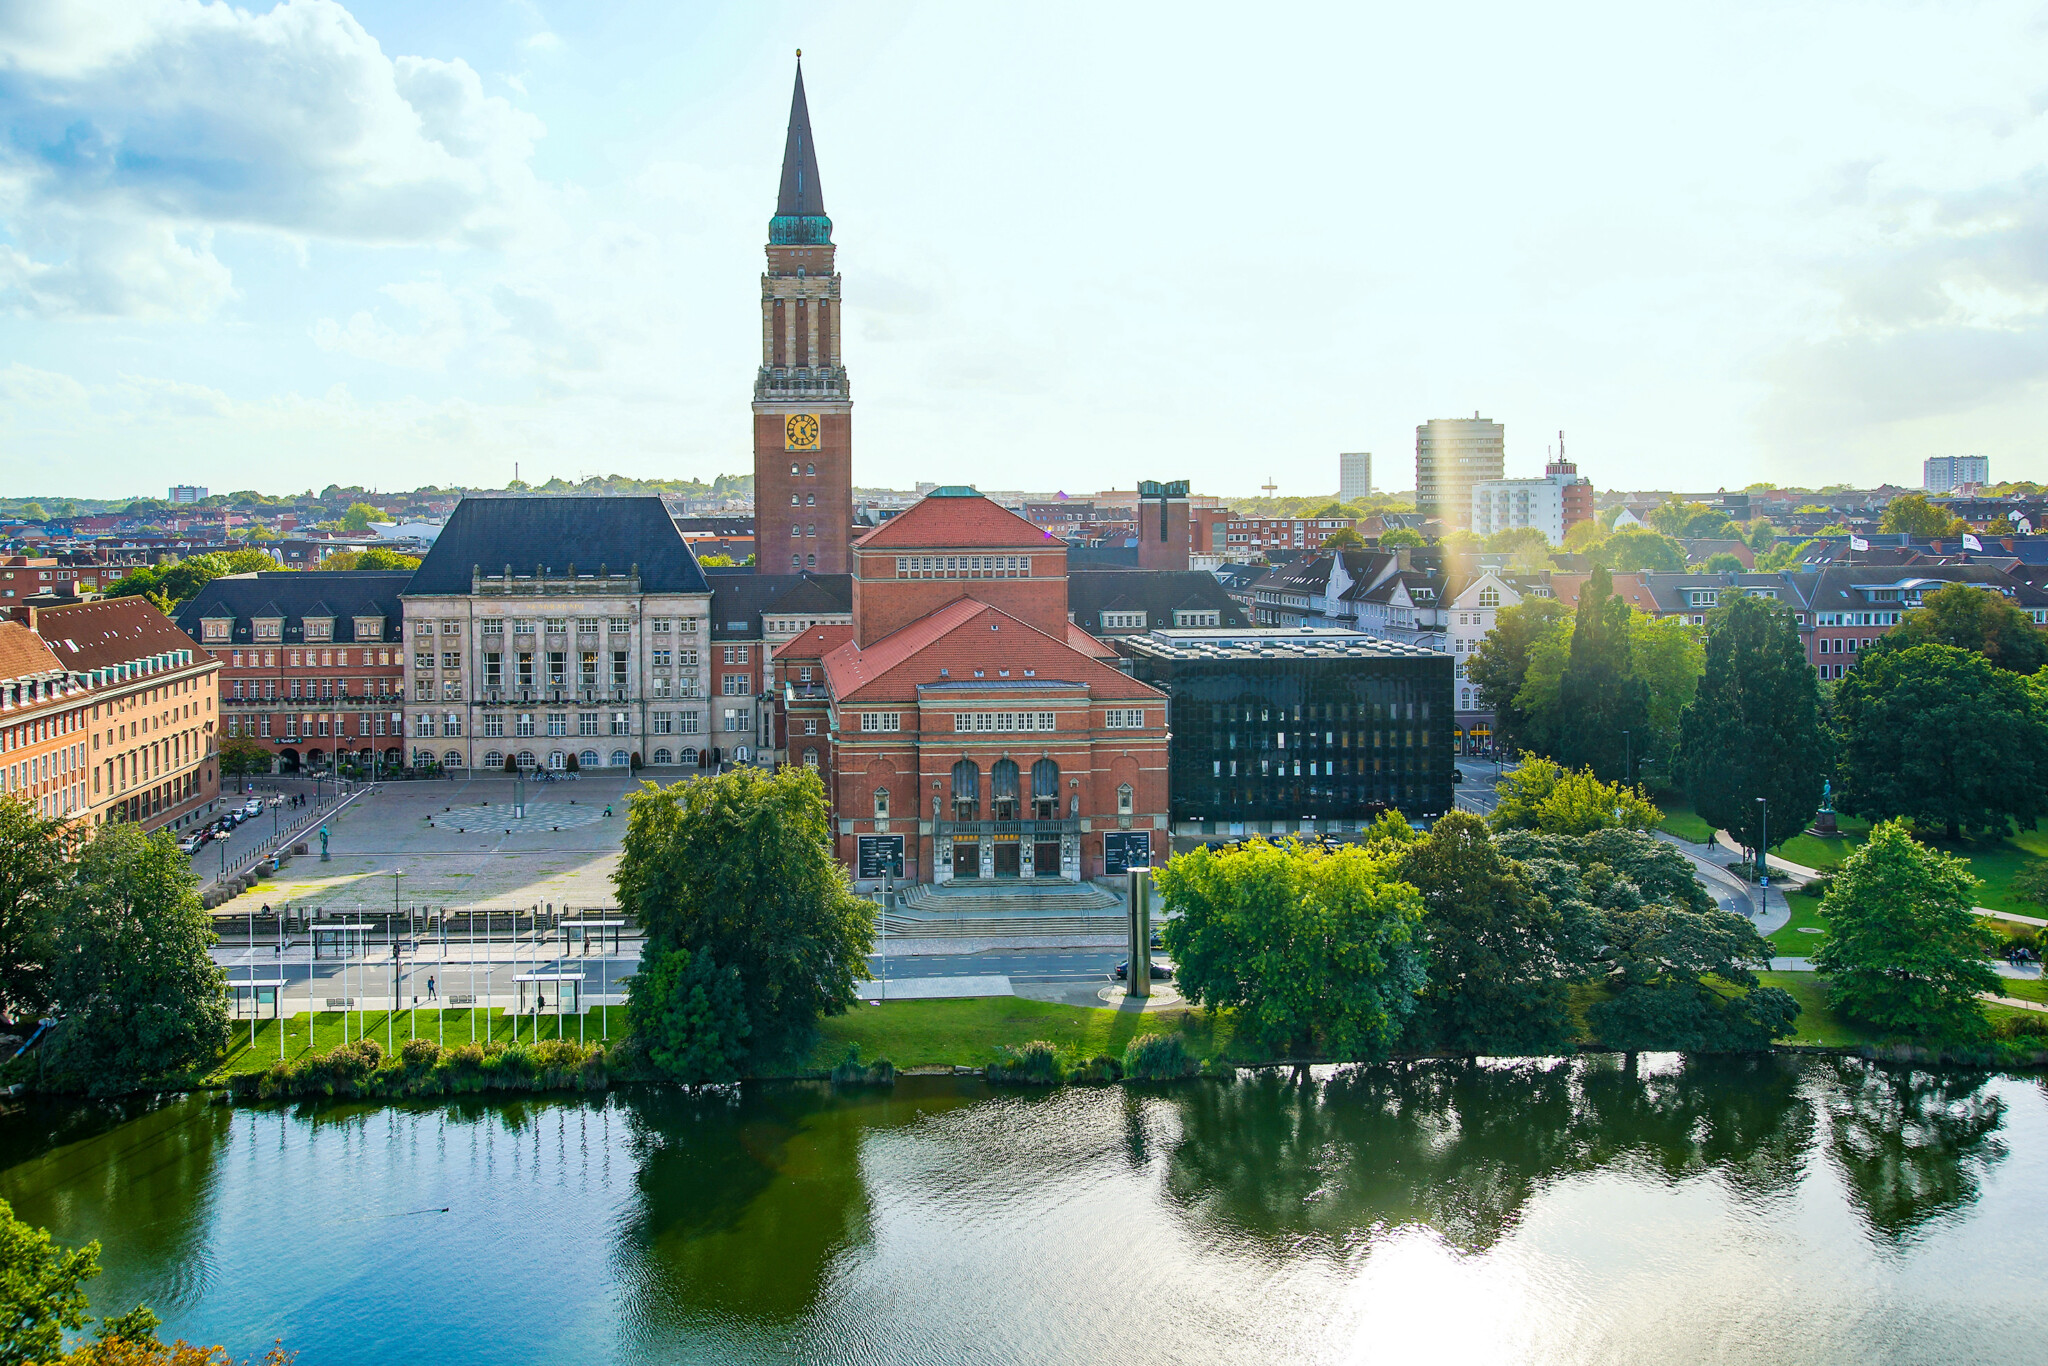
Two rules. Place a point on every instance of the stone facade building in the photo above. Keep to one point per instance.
(549, 628)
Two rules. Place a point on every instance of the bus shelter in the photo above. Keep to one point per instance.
(581, 935)
(549, 993)
(343, 939)
(251, 996)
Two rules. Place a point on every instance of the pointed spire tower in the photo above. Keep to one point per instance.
(803, 411)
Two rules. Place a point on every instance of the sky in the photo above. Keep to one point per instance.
(393, 244)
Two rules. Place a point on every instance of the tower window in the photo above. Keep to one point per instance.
(792, 467)
(812, 561)
(810, 469)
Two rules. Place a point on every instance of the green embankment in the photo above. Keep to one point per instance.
(453, 1028)
(967, 1033)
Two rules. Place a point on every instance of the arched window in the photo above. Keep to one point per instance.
(811, 759)
(452, 759)
(795, 531)
(492, 758)
(1045, 790)
(881, 803)
(664, 758)
(588, 758)
(796, 562)
(690, 758)
(1002, 790)
(422, 758)
(621, 759)
(810, 469)
(810, 561)
(1123, 799)
(966, 791)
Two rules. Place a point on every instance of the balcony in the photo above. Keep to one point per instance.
(1022, 829)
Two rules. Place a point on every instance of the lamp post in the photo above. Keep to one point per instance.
(1628, 763)
(1763, 848)
(396, 874)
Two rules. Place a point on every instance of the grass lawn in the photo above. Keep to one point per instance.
(1824, 852)
(1681, 820)
(1790, 940)
(1817, 1024)
(242, 1057)
(1993, 861)
(965, 1033)
(2024, 989)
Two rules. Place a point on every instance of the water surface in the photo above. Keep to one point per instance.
(1782, 1210)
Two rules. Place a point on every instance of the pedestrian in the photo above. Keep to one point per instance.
(430, 987)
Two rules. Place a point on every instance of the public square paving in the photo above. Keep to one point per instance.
(459, 845)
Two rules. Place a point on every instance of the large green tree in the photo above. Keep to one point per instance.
(1599, 696)
(32, 883)
(1634, 549)
(168, 585)
(1500, 666)
(1973, 618)
(1905, 951)
(1912, 514)
(242, 755)
(740, 867)
(1938, 735)
(1754, 727)
(1316, 951)
(41, 1291)
(1499, 961)
(1541, 794)
(139, 995)
(690, 1015)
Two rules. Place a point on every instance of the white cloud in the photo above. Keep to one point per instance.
(128, 129)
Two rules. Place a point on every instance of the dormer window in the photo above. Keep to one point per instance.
(218, 628)
(270, 628)
(369, 628)
(319, 628)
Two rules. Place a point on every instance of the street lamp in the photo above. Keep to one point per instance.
(396, 874)
(1763, 847)
(1628, 763)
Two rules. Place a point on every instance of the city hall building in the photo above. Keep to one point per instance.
(962, 724)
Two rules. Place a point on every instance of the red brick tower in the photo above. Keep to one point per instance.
(803, 412)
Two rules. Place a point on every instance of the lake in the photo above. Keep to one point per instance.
(1790, 1209)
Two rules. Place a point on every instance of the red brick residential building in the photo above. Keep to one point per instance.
(962, 723)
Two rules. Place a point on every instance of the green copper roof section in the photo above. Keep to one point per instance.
(954, 491)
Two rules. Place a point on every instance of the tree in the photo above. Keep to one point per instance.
(1545, 796)
(1500, 666)
(1599, 697)
(511, 763)
(242, 755)
(1761, 535)
(359, 516)
(1904, 951)
(1634, 549)
(740, 867)
(375, 557)
(1723, 562)
(1667, 655)
(180, 580)
(1912, 514)
(33, 512)
(1677, 969)
(1343, 539)
(40, 1290)
(1938, 735)
(692, 1016)
(1497, 962)
(1510, 540)
(1584, 536)
(1315, 950)
(1778, 558)
(1976, 618)
(140, 997)
(1754, 728)
(32, 882)
(1710, 524)
(715, 561)
(1401, 536)
(574, 764)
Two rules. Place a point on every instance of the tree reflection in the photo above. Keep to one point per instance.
(1462, 1148)
(1912, 1145)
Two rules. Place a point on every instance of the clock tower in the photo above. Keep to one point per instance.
(803, 412)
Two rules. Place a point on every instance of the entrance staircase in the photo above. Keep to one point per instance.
(1044, 910)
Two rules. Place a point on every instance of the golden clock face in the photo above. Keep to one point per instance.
(800, 431)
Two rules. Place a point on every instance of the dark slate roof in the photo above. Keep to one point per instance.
(1159, 593)
(740, 596)
(343, 594)
(801, 194)
(555, 533)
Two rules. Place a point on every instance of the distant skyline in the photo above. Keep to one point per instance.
(281, 246)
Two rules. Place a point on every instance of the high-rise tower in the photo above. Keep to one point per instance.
(803, 412)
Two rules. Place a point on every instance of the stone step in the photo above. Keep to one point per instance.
(1002, 927)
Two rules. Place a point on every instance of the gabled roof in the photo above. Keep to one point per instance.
(109, 632)
(1159, 593)
(292, 595)
(556, 533)
(23, 654)
(815, 643)
(739, 597)
(953, 517)
(948, 645)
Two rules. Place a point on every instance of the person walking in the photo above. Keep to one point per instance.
(431, 989)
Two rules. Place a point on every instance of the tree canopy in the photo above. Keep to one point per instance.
(1500, 666)
(1912, 514)
(1401, 536)
(1317, 951)
(1937, 735)
(1905, 952)
(739, 868)
(373, 557)
(1545, 796)
(1634, 549)
(174, 582)
(1599, 696)
(1973, 618)
(1753, 729)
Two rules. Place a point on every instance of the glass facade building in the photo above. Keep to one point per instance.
(1277, 728)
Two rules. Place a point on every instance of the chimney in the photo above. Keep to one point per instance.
(23, 613)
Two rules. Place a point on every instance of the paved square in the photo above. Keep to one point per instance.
(459, 845)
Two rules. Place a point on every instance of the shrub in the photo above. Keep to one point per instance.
(2027, 1026)
(1028, 1064)
(1157, 1057)
(851, 1071)
(1098, 1070)
(424, 1069)
(419, 1053)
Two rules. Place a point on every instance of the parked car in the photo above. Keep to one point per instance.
(1159, 974)
(190, 844)
(252, 807)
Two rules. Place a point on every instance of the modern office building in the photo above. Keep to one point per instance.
(1278, 731)
(1354, 475)
(1947, 473)
(186, 493)
(1554, 504)
(1451, 455)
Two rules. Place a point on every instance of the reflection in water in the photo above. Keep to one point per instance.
(939, 1221)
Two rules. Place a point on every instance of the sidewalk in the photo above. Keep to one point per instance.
(1803, 874)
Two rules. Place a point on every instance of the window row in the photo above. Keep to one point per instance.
(963, 566)
(313, 659)
(980, 721)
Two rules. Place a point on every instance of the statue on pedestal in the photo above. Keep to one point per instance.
(1824, 821)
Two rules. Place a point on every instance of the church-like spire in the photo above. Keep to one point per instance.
(800, 207)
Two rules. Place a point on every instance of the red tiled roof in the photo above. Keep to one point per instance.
(94, 635)
(946, 521)
(815, 643)
(960, 637)
(1628, 587)
(1088, 645)
(23, 654)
